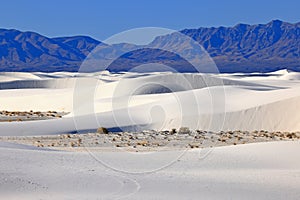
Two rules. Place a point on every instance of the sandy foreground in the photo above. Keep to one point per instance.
(251, 171)
(151, 165)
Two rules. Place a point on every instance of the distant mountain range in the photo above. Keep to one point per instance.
(242, 48)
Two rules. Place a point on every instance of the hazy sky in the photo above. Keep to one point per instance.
(101, 19)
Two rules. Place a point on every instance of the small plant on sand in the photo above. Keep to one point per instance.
(102, 130)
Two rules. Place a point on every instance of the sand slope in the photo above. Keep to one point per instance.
(253, 171)
(160, 101)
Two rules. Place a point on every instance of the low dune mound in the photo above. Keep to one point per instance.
(57, 80)
(13, 76)
(176, 82)
(57, 83)
(291, 76)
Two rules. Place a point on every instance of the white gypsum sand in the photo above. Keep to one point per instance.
(250, 171)
(212, 102)
(199, 101)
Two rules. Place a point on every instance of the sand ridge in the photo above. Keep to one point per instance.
(158, 101)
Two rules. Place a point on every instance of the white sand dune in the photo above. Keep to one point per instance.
(12, 76)
(152, 101)
(253, 171)
(135, 101)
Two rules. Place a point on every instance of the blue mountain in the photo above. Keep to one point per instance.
(242, 48)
